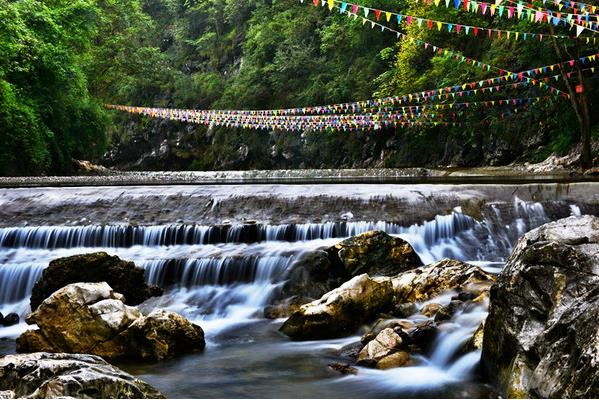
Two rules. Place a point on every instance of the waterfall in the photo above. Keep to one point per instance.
(229, 272)
(55, 237)
(16, 283)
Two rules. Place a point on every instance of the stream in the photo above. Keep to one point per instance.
(221, 268)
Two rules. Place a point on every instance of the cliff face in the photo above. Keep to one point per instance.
(165, 145)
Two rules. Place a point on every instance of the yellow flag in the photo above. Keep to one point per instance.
(331, 3)
(388, 15)
(439, 25)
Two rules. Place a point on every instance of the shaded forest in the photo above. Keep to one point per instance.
(60, 61)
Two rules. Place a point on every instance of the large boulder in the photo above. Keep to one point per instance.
(377, 254)
(341, 311)
(541, 337)
(48, 376)
(159, 335)
(374, 253)
(90, 318)
(427, 282)
(312, 275)
(123, 276)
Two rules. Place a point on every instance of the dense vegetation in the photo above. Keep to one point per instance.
(61, 60)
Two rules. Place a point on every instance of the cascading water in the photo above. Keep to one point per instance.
(223, 275)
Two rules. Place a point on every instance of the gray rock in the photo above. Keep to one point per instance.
(10, 319)
(123, 276)
(541, 337)
(429, 281)
(341, 311)
(377, 254)
(374, 253)
(45, 375)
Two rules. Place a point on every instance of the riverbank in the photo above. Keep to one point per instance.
(494, 175)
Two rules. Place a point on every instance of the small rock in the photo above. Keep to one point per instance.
(11, 319)
(476, 341)
(344, 369)
(406, 339)
(395, 360)
(431, 309)
(285, 308)
(445, 313)
(385, 343)
(464, 296)
(424, 335)
(376, 253)
(424, 283)
(351, 350)
(592, 172)
(405, 310)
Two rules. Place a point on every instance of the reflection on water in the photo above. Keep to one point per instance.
(257, 361)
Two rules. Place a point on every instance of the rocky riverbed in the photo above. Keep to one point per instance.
(354, 308)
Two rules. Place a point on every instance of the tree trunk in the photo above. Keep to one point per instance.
(579, 103)
(586, 157)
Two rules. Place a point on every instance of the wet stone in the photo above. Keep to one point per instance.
(344, 369)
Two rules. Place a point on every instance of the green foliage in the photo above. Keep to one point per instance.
(47, 115)
(60, 60)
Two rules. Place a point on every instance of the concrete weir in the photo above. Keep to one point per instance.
(120, 202)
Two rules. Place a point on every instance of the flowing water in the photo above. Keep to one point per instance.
(222, 275)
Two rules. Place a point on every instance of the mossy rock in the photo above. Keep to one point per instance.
(123, 276)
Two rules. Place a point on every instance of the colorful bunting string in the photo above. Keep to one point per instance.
(450, 27)
(373, 121)
(576, 7)
(543, 15)
(520, 11)
(332, 4)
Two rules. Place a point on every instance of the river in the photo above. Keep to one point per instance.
(222, 251)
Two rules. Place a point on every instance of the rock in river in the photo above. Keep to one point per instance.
(385, 343)
(541, 337)
(341, 311)
(10, 320)
(90, 318)
(48, 376)
(427, 282)
(123, 276)
(374, 253)
(377, 254)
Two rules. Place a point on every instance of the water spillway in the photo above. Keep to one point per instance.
(191, 257)
(53, 237)
(221, 274)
